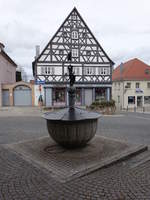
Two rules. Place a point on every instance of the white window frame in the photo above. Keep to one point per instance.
(90, 71)
(75, 53)
(103, 71)
(76, 70)
(74, 34)
(47, 70)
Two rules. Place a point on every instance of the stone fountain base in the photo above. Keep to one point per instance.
(65, 165)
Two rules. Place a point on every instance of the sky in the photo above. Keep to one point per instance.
(122, 27)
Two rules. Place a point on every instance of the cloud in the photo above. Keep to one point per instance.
(121, 27)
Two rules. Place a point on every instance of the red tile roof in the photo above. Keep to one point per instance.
(133, 69)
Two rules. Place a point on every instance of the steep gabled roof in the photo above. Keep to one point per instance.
(134, 69)
(57, 34)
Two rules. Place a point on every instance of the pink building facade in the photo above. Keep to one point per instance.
(7, 70)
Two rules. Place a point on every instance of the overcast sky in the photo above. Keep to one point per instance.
(122, 27)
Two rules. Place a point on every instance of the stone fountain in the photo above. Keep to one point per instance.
(72, 127)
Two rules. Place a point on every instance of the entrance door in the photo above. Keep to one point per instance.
(139, 101)
(59, 96)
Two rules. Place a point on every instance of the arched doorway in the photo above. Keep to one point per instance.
(22, 96)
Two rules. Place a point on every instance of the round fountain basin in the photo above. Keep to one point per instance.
(72, 127)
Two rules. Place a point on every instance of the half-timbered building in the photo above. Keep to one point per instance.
(92, 66)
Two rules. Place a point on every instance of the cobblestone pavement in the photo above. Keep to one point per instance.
(20, 180)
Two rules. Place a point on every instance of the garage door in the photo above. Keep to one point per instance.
(5, 98)
(22, 96)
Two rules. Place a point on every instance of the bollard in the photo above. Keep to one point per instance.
(127, 108)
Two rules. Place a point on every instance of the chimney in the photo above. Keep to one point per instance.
(121, 68)
(37, 51)
(1, 47)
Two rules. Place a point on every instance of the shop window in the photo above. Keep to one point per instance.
(131, 99)
(100, 94)
(147, 100)
(78, 95)
(58, 95)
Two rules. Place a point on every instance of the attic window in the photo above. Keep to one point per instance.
(74, 35)
(146, 71)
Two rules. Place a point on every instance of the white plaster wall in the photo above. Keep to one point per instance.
(124, 93)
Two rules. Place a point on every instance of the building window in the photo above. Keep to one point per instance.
(74, 35)
(103, 70)
(131, 99)
(76, 70)
(147, 100)
(118, 99)
(90, 71)
(148, 85)
(47, 70)
(58, 95)
(128, 85)
(137, 85)
(74, 52)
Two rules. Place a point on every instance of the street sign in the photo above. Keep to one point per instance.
(38, 82)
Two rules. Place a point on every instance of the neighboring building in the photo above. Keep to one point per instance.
(92, 66)
(131, 84)
(7, 72)
(13, 93)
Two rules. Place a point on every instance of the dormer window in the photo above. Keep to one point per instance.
(74, 52)
(74, 35)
